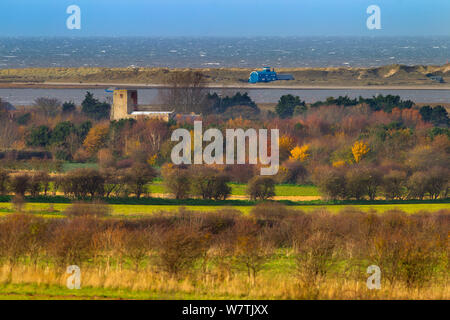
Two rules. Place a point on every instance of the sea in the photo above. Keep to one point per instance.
(223, 52)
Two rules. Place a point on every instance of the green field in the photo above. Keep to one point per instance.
(124, 210)
(67, 166)
(282, 190)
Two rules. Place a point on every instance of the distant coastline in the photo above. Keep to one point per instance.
(55, 85)
(395, 77)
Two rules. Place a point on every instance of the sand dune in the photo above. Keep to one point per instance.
(392, 75)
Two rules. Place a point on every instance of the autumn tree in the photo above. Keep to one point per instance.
(138, 176)
(300, 153)
(210, 184)
(393, 184)
(261, 187)
(83, 182)
(20, 183)
(331, 182)
(96, 138)
(177, 180)
(4, 181)
(359, 150)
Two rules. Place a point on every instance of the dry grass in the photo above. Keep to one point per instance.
(275, 252)
(265, 286)
(385, 75)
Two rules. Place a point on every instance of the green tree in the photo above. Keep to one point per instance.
(93, 108)
(60, 132)
(287, 104)
(68, 107)
(39, 136)
(439, 117)
(426, 112)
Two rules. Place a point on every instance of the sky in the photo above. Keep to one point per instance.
(230, 18)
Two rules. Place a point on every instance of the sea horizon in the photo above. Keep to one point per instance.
(222, 51)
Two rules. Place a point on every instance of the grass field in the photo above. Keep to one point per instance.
(122, 210)
(283, 190)
(67, 166)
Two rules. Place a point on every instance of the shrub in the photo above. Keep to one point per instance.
(393, 184)
(417, 185)
(270, 211)
(331, 182)
(68, 107)
(177, 181)
(35, 185)
(261, 187)
(357, 181)
(71, 241)
(138, 176)
(92, 209)
(251, 251)
(208, 183)
(180, 248)
(315, 258)
(437, 180)
(292, 172)
(105, 158)
(240, 173)
(20, 183)
(137, 246)
(15, 232)
(4, 181)
(83, 182)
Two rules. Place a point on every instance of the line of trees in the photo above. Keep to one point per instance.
(358, 182)
(368, 182)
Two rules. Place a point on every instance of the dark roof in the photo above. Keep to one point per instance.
(8, 106)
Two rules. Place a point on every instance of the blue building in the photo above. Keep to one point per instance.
(268, 75)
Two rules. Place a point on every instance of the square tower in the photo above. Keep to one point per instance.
(124, 103)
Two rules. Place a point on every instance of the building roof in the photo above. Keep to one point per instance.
(150, 112)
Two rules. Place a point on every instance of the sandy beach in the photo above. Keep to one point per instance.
(104, 85)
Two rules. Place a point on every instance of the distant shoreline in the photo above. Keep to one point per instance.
(99, 85)
(389, 77)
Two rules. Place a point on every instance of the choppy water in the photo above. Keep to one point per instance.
(222, 52)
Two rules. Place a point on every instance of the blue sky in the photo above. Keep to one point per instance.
(224, 17)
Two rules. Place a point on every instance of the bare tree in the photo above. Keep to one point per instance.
(185, 91)
(48, 106)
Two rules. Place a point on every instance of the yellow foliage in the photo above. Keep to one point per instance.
(339, 163)
(152, 160)
(300, 153)
(96, 138)
(287, 142)
(359, 150)
(239, 123)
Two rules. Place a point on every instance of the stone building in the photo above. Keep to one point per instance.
(125, 106)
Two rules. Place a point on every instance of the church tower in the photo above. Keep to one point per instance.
(124, 103)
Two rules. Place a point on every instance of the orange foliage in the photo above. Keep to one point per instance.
(96, 138)
(359, 150)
